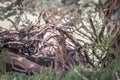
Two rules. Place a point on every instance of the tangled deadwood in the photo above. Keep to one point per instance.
(33, 46)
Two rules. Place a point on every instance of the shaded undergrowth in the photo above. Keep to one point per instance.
(110, 72)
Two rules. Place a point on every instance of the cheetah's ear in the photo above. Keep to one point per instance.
(65, 38)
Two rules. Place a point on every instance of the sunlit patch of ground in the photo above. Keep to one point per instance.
(7, 24)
